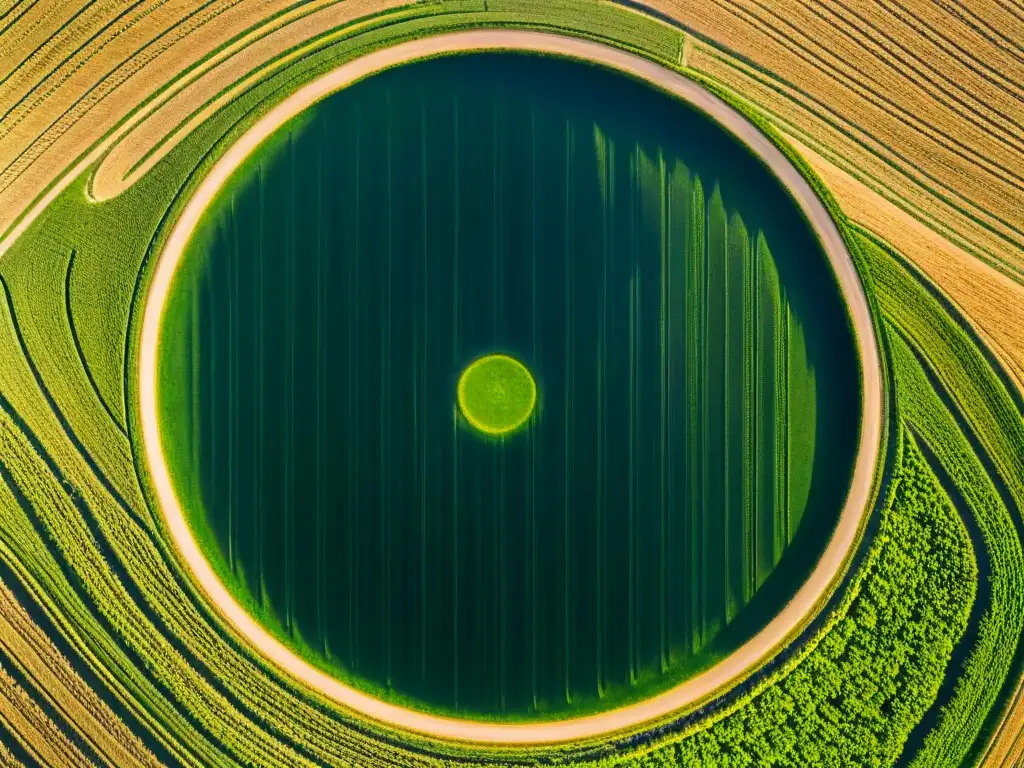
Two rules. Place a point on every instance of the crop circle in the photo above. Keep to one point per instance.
(647, 365)
(497, 394)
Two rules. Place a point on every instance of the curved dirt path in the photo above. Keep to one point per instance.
(800, 608)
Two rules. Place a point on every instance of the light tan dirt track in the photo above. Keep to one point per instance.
(810, 595)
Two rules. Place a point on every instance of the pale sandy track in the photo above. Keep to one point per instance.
(794, 614)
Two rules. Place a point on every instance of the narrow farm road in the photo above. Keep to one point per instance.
(804, 603)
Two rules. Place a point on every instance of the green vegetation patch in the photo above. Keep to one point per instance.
(700, 402)
(497, 394)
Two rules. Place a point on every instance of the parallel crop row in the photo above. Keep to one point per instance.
(845, 83)
(157, 646)
(34, 656)
(960, 407)
(40, 737)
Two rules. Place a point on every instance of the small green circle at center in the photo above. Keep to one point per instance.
(497, 394)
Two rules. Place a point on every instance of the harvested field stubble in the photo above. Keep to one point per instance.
(39, 736)
(990, 299)
(34, 655)
(181, 108)
(109, 76)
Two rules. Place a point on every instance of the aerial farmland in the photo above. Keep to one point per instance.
(511, 383)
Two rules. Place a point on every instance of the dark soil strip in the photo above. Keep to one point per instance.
(14, 746)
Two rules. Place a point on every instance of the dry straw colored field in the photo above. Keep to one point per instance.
(911, 112)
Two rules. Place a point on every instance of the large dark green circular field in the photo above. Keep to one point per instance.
(696, 380)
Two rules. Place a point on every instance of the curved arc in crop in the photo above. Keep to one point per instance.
(994, 459)
(796, 613)
(147, 140)
(95, 531)
(83, 361)
(89, 157)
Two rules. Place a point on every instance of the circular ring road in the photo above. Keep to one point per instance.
(734, 667)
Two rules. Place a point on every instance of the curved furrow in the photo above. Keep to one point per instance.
(20, 51)
(81, 353)
(8, 119)
(138, 547)
(58, 415)
(67, 561)
(112, 653)
(237, 70)
(959, 400)
(43, 740)
(26, 148)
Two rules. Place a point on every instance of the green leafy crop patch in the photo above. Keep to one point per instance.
(497, 394)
